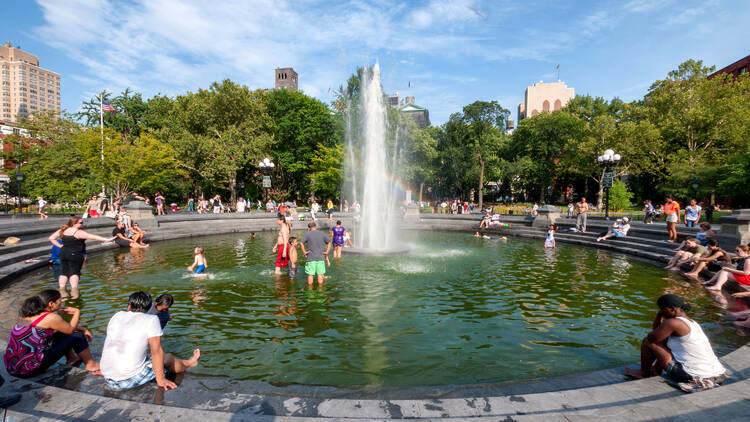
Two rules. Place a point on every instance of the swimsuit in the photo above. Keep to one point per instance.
(72, 254)
(338, 235)
(199, 269)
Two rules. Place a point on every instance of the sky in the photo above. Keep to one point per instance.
(446, 53)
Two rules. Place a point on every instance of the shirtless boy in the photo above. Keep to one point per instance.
(282, 244)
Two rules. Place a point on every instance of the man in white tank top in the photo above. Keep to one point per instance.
(677, 346)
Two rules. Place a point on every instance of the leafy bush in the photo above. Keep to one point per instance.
(619, 196)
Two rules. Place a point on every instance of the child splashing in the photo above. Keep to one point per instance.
(549, 241)
(199, 264)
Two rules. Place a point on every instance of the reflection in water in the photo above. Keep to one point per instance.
(453, 311)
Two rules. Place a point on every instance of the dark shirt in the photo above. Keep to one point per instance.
(316, 242)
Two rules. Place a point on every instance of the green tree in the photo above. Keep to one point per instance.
(485, 123)
(60, 173)
(703, 123)
(219, 132)
(327, 170)
(141, 164)
(420, 156)
(620, 197)
(128, 119)
(538, 146)
(300, 125)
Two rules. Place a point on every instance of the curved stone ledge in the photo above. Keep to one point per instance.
(70, 394)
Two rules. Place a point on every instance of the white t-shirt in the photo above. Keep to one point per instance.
(691, 213)
(126, 345)
(240, 206)
(42, 203)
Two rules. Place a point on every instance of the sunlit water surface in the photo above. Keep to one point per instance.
(455, 310)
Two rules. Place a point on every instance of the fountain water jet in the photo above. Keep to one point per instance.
(376, 190)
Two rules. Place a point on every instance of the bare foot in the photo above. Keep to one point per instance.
(193, 361)
(634, 373)
(713, 289)
(92, 366)
(694, 276)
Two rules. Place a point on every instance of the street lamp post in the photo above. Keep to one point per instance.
(266, 166)
(19, 182)
(695, 184)
(608, 160)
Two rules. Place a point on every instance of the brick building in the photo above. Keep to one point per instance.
(286, 78)
(737, 68)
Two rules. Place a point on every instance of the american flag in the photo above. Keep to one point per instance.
(108, 107)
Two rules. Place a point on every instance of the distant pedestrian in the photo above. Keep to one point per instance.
(42, 203)
(571, 210)
(329, 209)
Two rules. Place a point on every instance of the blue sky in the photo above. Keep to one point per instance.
(454, 52)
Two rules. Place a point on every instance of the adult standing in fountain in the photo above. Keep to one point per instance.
(72, 240)
(313, 243)
(282, 244)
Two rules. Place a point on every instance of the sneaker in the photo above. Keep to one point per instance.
(10, 400)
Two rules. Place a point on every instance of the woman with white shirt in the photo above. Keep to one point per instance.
(618, 231)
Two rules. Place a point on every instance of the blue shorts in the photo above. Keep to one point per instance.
(618, 234)
(199, 269)
(146, 375)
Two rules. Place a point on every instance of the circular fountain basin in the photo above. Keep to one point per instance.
(454, 310)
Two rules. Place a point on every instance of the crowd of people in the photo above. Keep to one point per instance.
(132, 354)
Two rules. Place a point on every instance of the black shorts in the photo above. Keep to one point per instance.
(122, 243)
(71, 263)
(675, 371)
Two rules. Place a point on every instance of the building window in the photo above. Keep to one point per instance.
(744, 69)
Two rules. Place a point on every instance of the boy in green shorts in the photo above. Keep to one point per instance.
(318, 246)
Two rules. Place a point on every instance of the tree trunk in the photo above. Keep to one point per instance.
(481, 181)
(600, 196)
(421, 186)
(233, 189)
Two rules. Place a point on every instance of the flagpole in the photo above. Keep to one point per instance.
(101, 130)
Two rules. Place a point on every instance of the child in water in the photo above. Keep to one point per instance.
(292, 253)
(199, 263)
(549, 242)
(160, 308)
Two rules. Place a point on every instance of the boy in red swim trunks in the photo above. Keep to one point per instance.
(281, 247)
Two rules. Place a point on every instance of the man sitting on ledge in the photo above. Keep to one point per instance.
(678, 346)
(124, 362)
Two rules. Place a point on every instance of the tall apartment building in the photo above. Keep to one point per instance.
(286, 78)
(25, 87)
(544, 97)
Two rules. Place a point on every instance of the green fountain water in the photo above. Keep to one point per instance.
(455, 310)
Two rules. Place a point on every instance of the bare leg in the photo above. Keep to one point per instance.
(62, 281)
(650, 353)
(88, 360)
(321, 277)
(309, 280)
(721, 278)
(177, 366)
(697, 270)
(74, 281)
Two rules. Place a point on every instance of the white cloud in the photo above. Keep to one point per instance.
(445, 12)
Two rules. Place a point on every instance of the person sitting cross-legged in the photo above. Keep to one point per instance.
(678, 346)
(125, 363)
